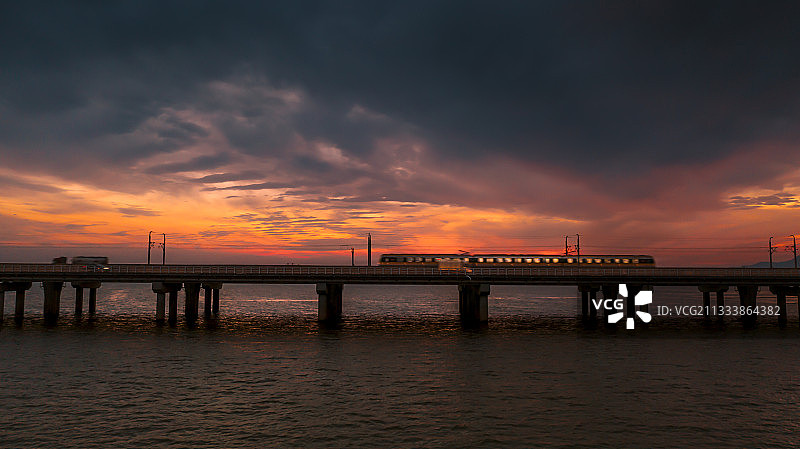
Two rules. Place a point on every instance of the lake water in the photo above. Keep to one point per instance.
(400, 371)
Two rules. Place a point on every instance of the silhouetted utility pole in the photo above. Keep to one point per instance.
(369, 249)
(164, 250)
(577, 245)
(771, 250)
(149, 245)
(352, 254)
(794, 247)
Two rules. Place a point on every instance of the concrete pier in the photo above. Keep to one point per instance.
(747, 298)
(192, 303)
(781, 292)
(610, 293)
(173, 307)
(78, 300)
(52, 300)
(93, 301)
(588, 297)
(473, 303)
(707, 290)
(215, 304)
(630, 301)
(161, 289)
(211, 304)
(19, 307)
(3, 289)
(329, 302)
(79, 286)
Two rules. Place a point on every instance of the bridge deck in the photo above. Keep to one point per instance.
(310, 274)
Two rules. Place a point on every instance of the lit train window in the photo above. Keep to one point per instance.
(490, 259)
(528, 260)
(418, 259)
(480, 259)
(537, 260)
(616, 260)
(635, 260)
(570, 260)
(598, 260)
(586, 260)
(626, 260)
(428, 259)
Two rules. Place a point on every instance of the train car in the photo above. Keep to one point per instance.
(424, 260)
(516, 260)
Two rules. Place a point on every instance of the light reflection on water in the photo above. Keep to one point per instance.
(398, 371)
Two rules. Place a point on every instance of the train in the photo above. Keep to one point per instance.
(454, 261)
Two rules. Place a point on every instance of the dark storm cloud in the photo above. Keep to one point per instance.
(587, 86)
(227, 177)
(198, 163)
(137, 212)
(10, 183)
(258, 186)
(778, 199)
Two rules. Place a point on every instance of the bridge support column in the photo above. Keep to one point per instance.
(473, 303)
(192, 303)
(781, 292)
(747, 298)
(588, 297)
(610, 293)
(92, 302)
(3, 288)
(161, 289)
(706, 290)
(19, 307)
(211, 293)
(52, 300)
(330, 302)
(173, 307)
(78, 301)
(79, 286)
(215, 304)
(630, 302)
(161, 306)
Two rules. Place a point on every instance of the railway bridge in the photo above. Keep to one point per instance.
(474, 284)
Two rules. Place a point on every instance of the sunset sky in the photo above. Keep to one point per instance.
(285, 132)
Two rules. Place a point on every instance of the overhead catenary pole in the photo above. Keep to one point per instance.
(149, 245)
(353, 256)
(369, 249)
(578, 247)
(794, 247)
(164, 250)
(771, 250)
